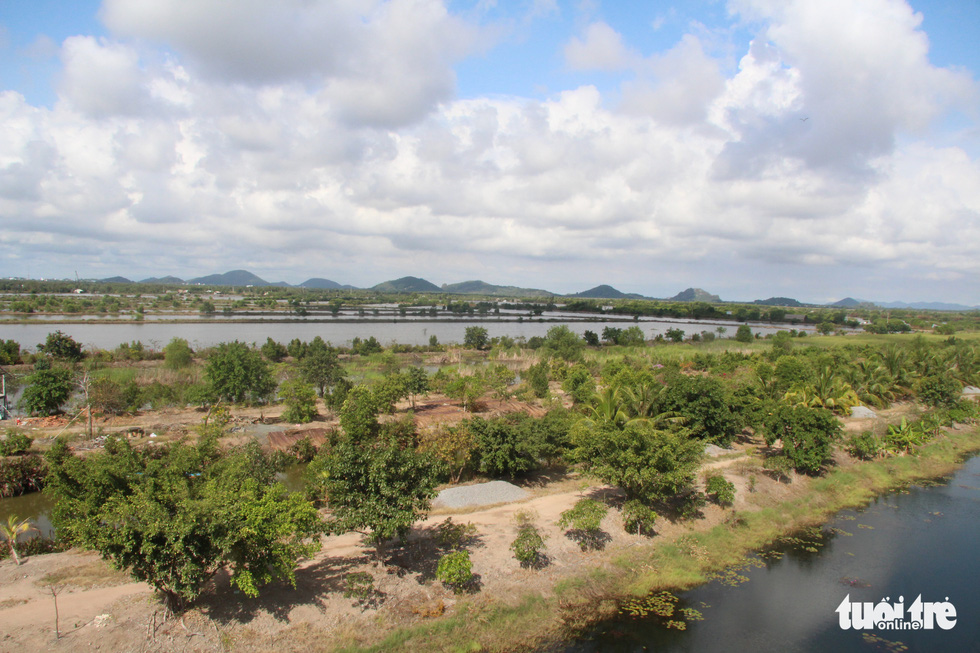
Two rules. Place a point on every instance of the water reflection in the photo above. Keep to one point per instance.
(907, 543)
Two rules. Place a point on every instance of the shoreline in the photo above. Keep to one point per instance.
(580, 602)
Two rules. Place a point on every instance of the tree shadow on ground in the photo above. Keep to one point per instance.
(421, 551)
(589, 540)
(225, 604)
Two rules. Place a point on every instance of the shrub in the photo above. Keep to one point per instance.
(638, 517)
(299, 398)
(939, 391)
(451, 535)
(582, 522)
(177, 354)
(723, 491)
(807, 435)
(359, 585)
(866, 446)
(455, 570)
(14, 444)
(527, 545)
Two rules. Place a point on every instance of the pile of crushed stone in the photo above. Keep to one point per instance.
(481, 494)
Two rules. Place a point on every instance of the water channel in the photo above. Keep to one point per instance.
(920, 541)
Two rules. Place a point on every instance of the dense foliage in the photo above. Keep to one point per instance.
(174, 516)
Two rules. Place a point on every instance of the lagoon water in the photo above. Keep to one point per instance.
(340, 333)
(923, 541)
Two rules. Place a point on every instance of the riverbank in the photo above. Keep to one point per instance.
(674, 562)
(515, 609)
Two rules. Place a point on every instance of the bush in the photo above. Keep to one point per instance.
(14, 444)
(451, 535)
(743, 333)
(47, 390)
(22, 474)
(705, 402)
(582, 522)
(527, 545)
(939, 391)
(865, 446)
(455, 570)
(61, 346)
(638, 517)
(807, 435)
(299, 398)
(723, 491)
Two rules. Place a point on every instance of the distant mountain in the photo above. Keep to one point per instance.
(322, 284)
(605, 292)
(695, 295)
(847, 302)
(407, 284)
(168, 280)
(115, 280)
(928, 306)
(484, 288)
(233, 278)
(778, 301)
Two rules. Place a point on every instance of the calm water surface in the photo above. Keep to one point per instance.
(920, 541)
(411, 332)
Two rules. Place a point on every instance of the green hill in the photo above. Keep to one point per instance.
(407, 284)
(695, 295)
(233, 278)
(484, 288)
(605, 292)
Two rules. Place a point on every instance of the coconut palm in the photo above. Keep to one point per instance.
(11, 530)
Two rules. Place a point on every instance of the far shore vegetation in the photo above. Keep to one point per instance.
(673, 425)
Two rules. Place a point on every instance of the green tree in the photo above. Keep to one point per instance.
(48, 388)
(648, 463)
(537, 379)
(175, 516)
(579, 384)
(504, 449)
(563, 343)
(467, 388)
(359, 414)
(237, 373)
(300, 401)
(476, 337)
(377, 487)
(674, 335)
(743, 333)
(388, 391)
(9, 352)
(807, 435)
(177, 354)
(416, 383)
(705, 402)
(320, 366)
(274, 351)
(62, 347)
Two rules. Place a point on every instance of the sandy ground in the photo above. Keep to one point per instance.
(102, 610)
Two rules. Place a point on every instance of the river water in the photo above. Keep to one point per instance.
(411, 332)
(921, 541)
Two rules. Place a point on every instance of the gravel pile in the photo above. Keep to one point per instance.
(482, 494)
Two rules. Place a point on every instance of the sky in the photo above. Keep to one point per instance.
(752, 148)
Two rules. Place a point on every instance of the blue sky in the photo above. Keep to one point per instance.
(749, 147)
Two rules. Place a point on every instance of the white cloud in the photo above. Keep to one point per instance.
(601, 48)
(355, 163)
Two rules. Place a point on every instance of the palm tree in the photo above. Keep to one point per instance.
(11, 530)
